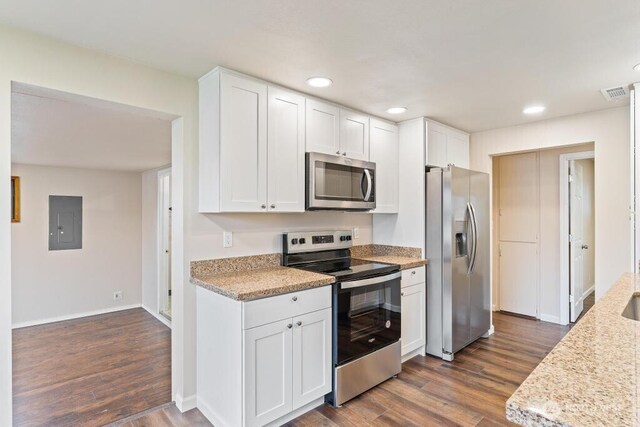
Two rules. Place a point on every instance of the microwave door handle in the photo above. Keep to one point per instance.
(367, 195)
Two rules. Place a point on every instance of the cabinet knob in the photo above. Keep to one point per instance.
(401, 294)
(413, 273)
(299, 323)
(344, 153)
(273, 206)
(263, 206)
(289, 326)
(294, 299)
(338, 152)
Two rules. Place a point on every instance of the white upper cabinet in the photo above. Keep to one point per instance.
(445, 145)
(286, 148)
(384, 153)
(243, 144)
(323, 127)
(354, 135)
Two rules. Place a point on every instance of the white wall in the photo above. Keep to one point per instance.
(609, 130)
(36, 60)
(52, 284)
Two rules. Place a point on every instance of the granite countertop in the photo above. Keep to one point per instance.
(261, 282)
(405, 257)
(591, 377)
(404, 262)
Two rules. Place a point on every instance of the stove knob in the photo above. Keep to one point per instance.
(348, 237)
(303, 241)
(343, 238)
(294, 241)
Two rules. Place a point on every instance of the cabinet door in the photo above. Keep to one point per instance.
(413, 317)
(323, 127)
(267, 380)
(243, 144)
(458, 149)
(354, 135)
(436, 145)
(311, 357)
(384, 152)
(285, 163)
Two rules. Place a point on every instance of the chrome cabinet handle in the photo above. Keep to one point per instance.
(299, 323)
(294, 299)
(289, 326)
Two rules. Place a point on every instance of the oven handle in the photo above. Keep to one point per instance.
(370, 281)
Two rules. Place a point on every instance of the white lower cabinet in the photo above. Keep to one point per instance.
(267, 361)
(264, 361)
(413, 306)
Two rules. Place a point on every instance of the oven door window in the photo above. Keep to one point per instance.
(368, 318)
(343, 183)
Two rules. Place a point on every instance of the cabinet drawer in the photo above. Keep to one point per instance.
(413, 276)
(271, 309)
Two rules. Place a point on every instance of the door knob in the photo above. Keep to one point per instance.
(585, 246)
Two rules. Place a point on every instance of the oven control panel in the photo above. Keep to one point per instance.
(313, 241)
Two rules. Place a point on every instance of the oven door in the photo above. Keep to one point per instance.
(366, 316)
(339, 183)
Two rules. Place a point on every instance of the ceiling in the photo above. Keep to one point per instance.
(471, 64)
(52, 128)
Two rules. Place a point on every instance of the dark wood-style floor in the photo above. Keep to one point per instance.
(471, 391)
(90, 371)
(588, 302)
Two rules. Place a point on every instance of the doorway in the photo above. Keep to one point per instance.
(164, 239)
(85, 349)
(577, 233)
(531, 268)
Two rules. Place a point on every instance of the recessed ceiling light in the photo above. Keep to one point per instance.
(319, 81)
(636, 67)
(396, 110)
(534, 109)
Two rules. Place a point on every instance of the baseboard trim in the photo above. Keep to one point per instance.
(550, 318)
(185, 404)
(158, 316)
(588, 291)
(413, 353)
(490, 332)
(494, 307)
(73, 316)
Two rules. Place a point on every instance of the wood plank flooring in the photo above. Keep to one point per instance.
(471, 391)
(90, 371)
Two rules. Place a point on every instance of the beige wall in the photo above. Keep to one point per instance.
(52, 284)
(609, 130)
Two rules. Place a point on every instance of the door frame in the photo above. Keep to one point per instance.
(162, 297)
(564, 229)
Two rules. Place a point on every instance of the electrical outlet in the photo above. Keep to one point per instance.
(117, 296)
(356, 233)
(227, 239)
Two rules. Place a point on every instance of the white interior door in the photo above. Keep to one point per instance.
(576, 239)
(164, 242)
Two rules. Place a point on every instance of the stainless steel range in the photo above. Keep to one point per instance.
(366, 310)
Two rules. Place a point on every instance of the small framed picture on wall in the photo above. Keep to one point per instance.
(15, 199)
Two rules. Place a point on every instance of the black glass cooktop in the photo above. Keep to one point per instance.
(350, 268)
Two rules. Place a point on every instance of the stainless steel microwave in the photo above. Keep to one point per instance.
(340, 183)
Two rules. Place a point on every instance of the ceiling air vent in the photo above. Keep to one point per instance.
(615, 93)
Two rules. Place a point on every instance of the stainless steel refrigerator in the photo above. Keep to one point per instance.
(457, 243)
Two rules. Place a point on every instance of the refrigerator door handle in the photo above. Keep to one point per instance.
(474, 230)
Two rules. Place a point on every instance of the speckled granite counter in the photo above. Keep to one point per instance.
(262, 282)
(591, 377)
(405, 257)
